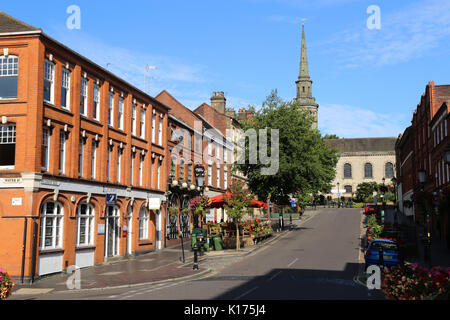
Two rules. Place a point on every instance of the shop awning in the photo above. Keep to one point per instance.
(219, 201)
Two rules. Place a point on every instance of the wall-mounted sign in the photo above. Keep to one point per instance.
(16, 201)
(154, 203)
(101, 229)
(111, 199)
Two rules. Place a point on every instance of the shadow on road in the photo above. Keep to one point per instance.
(299, 284)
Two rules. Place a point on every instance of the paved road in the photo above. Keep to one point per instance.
(318, 260)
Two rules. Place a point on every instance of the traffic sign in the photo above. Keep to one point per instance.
(111, 199)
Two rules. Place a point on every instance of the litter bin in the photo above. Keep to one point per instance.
(218, 243)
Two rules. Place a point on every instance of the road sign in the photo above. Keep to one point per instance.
(292, 203)
(111, 199)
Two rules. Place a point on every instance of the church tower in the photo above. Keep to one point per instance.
(304, 83)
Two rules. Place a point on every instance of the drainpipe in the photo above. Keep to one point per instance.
(24, 246)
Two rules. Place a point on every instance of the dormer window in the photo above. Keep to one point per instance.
(9, 71)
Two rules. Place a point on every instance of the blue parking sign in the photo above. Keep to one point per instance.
(111, 199)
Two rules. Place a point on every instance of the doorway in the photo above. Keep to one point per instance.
(112, 231)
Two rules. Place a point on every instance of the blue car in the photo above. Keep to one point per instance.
(391, 253)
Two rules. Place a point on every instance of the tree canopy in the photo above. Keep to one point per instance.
(306, 164)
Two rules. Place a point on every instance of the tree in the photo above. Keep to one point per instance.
(237, 203)
(306, 164)
(365, 190)
(330, 136)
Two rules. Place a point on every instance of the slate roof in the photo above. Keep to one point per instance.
(10, 24)
(362, 144)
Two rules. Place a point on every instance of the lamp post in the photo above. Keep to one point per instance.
(427, 238)
(394, 181)
(383, 203)
(339, 196)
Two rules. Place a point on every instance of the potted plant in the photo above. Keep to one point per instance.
(6, 285)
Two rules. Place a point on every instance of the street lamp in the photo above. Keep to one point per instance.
(339, 195)
(394, 181)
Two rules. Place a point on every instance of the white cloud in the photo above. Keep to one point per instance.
(129, 64)
(352, 122)
(407, 33)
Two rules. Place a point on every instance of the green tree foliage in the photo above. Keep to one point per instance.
(237, 203)
(365, 190)
(330, 136)
(306, 164)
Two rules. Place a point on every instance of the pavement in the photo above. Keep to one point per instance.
(152, 268)
(440, 254)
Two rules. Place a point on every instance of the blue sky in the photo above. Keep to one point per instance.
(367, 82)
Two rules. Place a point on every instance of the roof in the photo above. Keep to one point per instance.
(10, 24)
(362, 144)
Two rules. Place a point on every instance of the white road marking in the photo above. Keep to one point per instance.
(276, 274)
(290, 264)
(246, 293)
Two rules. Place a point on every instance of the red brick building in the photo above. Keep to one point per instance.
(422, 147)
(201, 143)
(72, 133)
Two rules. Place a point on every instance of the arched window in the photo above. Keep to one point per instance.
(143, 224)
(52, 220)
(9, 72)
(347, 171)
(85, 225)
(368, 172)
(389, 170)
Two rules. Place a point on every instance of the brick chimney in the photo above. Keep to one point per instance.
(219, 102)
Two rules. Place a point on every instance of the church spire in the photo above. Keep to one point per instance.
(303, 58)
(304, 83)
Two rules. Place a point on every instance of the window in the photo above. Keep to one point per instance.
(159, 176)
(389, 170)
(143, 224)
(62, 152)
(132, 168)
(172, 167)
(9, 72)
(85, 225)
(119, 164)
(133, 119)
(348, 189)
(49, 85)
(368, 170)
(151, 173)
(142, 122)
(94, 160)
(80, 157)
(181, 171)
(108, 164)
(96, 102)
(8, 145)
(347, 171)
(65, 88)
(189, 174)
(218, 177)
(225, 178)
(217, 151)
(209, 149)
(45, 148)
(225, 155)
(83, 96)
(111, 109)
(120, 114)
(51, 226)
(210, 175)
(141, 163)
(160, 142)
(197, 143)
(153, 128)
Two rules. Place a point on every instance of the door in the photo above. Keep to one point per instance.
(112, 232)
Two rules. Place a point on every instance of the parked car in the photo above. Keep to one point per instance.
(391, 253)
(371, 209)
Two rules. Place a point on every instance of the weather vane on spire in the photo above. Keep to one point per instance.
(303, 21)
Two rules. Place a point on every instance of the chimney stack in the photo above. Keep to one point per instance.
(219, 102)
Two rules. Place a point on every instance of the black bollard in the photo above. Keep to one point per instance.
(380, 256)
(195, 267)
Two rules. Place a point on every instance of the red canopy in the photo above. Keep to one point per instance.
(219, 201)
